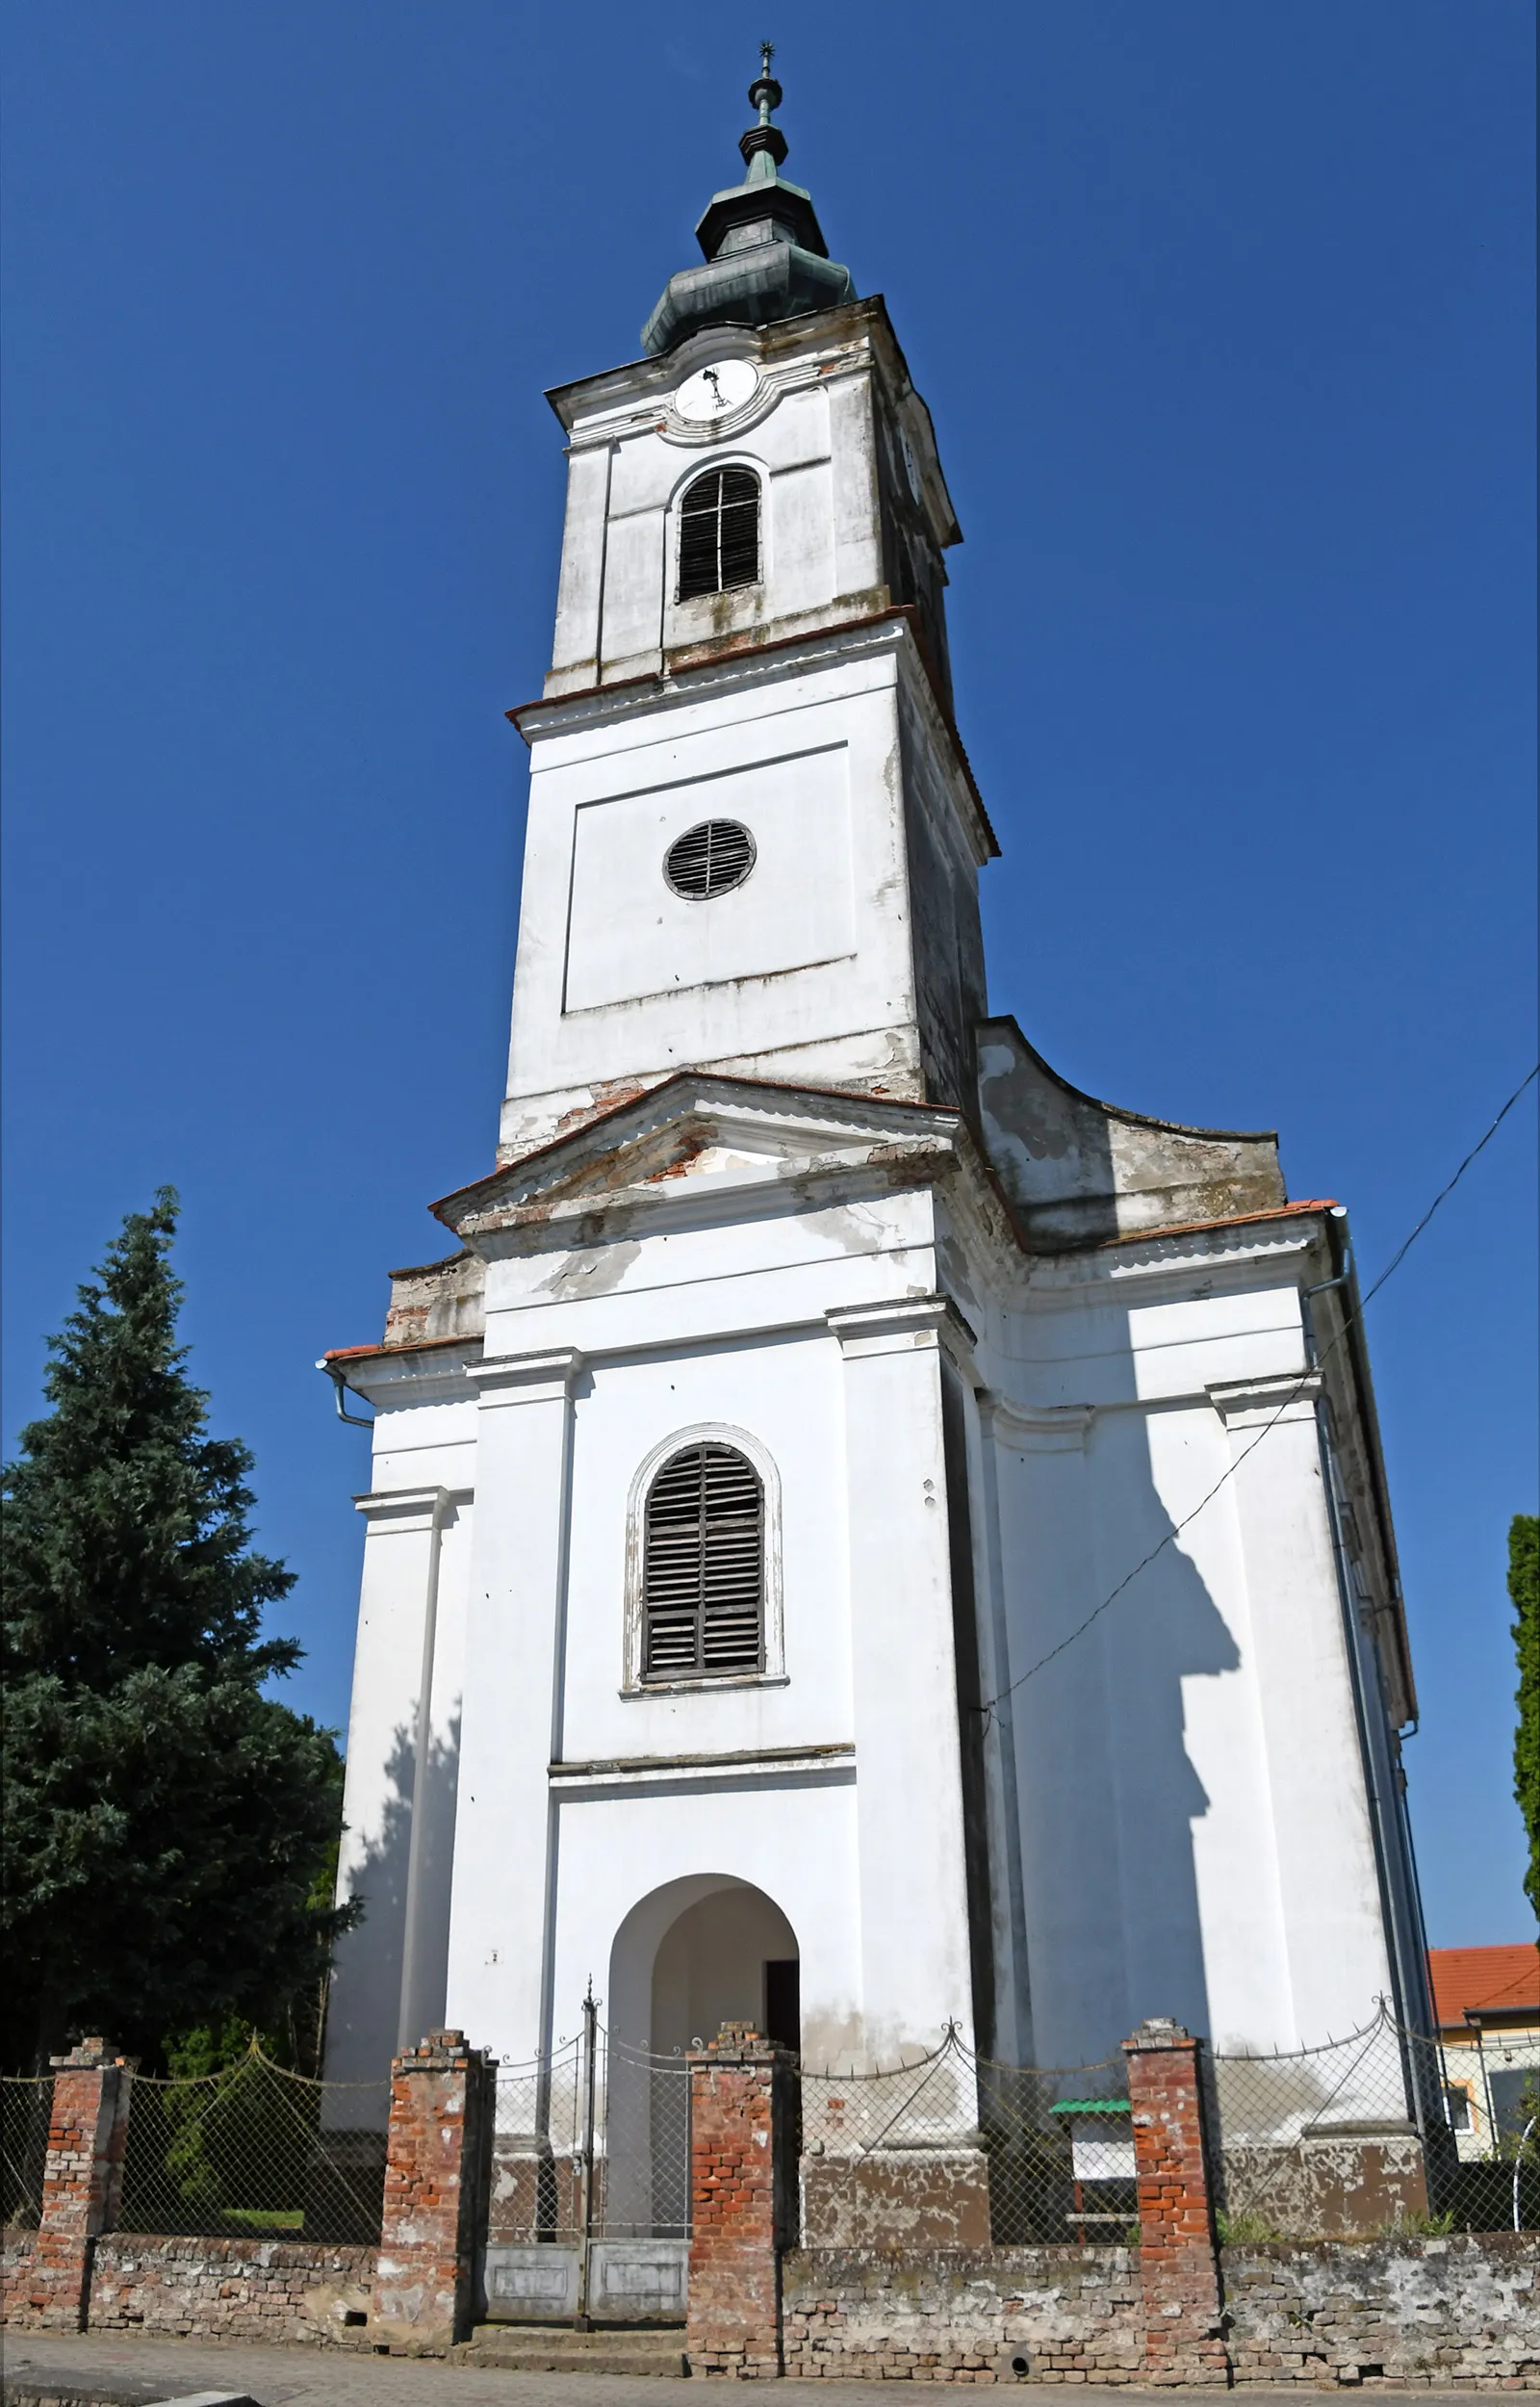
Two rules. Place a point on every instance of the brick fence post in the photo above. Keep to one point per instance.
(436, 2173)
(1179, 2267)
(743, 2202)
(82, 2185)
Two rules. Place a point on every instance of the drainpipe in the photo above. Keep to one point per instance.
(339, 1390)
(407, 2036)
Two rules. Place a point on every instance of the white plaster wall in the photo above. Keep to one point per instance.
(711, 1276)
(813, 948)
(792, 1837)
(786, 1395)
(629, 936)
(618, 607)
(1195, 1837)
(366, 2004)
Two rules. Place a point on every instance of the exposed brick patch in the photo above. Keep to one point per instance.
(1184, 2337)
(1461, 2313)
(82, 2177)
(234, 2290)
(741, 2123)
(437, 2161)
(963, 2315)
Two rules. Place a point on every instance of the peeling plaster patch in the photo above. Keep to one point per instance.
(591, 1273)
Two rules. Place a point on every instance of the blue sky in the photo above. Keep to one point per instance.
(1224, 311)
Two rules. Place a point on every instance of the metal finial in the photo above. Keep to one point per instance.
(764, 91)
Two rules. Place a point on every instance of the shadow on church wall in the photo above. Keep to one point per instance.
(1110, 1795)
(364, 2003)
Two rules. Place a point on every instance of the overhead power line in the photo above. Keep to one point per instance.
(1304, 1381)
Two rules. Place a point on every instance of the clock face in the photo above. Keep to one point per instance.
(716, 392)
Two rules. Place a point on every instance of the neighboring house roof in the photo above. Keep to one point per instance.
(1483, 1981)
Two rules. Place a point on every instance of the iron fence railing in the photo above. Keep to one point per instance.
(26, 2102)
(255, 2148)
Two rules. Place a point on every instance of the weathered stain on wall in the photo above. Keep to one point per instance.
(896, 2198)
(1078, 1170)
(1328, 2186)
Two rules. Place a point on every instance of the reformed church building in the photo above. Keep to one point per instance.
(861, 1534)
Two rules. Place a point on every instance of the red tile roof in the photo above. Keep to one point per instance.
(1483, 1981)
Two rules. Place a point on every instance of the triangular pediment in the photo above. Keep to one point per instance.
(691, 1137)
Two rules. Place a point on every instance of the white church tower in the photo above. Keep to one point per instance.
(861, 1535)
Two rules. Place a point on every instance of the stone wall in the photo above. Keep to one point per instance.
(1459, 2313)
(16, 2245)
(1050, 2314)
(236, 2290)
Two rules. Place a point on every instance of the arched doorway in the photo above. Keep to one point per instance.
(694, 1954)
(732, 1957)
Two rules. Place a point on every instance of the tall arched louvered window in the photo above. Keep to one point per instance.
(703, 1567)
(719, 532)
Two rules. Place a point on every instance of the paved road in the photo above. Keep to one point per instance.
(333, 2378)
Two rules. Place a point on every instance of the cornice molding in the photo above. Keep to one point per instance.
(410, 1509)
(911, 1324)
(1251, 1402)
(1041, 1429)
(527, 1378)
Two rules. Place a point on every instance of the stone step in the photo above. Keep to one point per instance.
(555, 2349)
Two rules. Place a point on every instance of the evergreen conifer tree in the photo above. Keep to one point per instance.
(165, 1822)
(1523, 1587)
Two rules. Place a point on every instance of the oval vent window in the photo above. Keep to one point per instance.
(709, 859)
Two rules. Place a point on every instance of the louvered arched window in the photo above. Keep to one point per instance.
(703, 1567)
(719, 532)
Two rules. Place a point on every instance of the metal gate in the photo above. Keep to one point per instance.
(589, 2209)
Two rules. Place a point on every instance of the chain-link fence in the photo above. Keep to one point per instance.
(642, 2176)
(1374, 2133)
(256, 2149)
(954, 2149)
(26, 2102)
(538, 2171)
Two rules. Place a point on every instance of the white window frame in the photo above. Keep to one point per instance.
(635, 1619)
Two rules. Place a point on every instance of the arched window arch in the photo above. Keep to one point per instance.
(704, 1565)
(719, 532)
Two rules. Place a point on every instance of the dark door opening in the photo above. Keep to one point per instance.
(782, 2002)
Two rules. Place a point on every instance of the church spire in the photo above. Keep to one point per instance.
(765, 254)
(764, 140)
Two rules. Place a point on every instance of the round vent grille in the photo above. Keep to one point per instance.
(709, 858)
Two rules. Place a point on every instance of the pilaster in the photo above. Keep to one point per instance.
(510, 1730)
(912, 1900)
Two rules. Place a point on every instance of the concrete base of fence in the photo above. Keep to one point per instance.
(896, 2198)
(1336, 2182)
